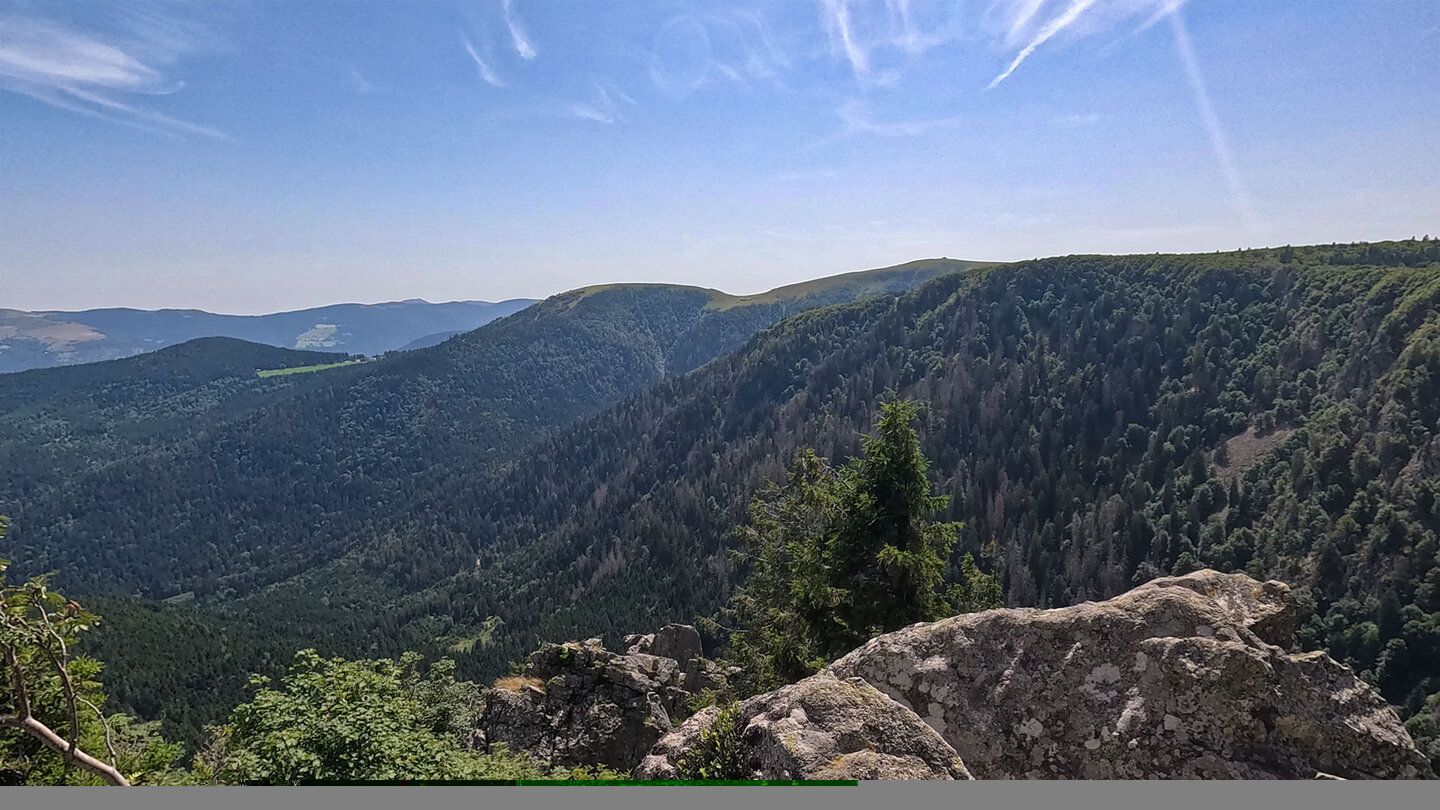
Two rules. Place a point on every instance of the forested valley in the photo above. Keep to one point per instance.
(1095, 421)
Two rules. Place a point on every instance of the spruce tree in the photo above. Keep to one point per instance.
(837, 557)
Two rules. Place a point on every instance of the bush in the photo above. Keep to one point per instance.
(720, 753)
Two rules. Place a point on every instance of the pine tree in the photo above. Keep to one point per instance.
(888, 551)
(837, 557)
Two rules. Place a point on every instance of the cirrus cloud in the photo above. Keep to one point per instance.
(95, 74)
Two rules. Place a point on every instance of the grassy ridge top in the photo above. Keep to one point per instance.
(881, 279)
(877, 278)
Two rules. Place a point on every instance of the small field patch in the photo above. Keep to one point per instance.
(280, 372)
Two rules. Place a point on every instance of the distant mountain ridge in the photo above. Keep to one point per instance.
(183, 474)
(578, 468)
(430, 340)
(364, 437)
(48, 338)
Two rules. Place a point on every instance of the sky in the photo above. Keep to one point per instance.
(250, 157)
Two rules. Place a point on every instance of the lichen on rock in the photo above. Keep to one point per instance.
(578, 704)
(1178, 678)
(820, 728)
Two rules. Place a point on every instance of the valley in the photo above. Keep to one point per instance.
(578, 469)
(841, 392)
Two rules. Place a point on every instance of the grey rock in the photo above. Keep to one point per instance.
(680, 642)
(1174, 679)
(820, 728)
(1267, 609)
(702, 674)
(580, 704)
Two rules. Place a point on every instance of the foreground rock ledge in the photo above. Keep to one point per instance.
(819, 728)
(580, 704)
(1178, 678)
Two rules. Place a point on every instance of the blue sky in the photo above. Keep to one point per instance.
(251, 157)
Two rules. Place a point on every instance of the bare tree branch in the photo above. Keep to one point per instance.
(22, 630)
(105, 724)
(17, 675)
(61, 668)
(58, 744)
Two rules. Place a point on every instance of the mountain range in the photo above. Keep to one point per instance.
(579, 468)
(51, 338)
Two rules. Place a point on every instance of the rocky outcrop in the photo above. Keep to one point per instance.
(702, 674)
(1267, 609)
(1178, 678)
(680, 642)
(580, 704)
(819, 728)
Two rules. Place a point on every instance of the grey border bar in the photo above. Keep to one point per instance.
(1164, 795)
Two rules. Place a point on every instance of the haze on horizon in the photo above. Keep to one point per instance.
(259, 157)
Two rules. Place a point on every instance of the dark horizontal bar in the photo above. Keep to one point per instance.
(588, 782)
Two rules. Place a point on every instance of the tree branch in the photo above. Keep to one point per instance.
(58, 744)
(17, 675)
(105, 724)
(60, 663)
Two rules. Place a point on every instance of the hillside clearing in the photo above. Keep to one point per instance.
(279, 372)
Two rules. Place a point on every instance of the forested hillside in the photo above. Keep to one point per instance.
(58, 425)
(218, 507)
(1097, 420)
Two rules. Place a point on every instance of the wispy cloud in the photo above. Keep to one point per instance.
(1030, 23)
(1025, 12)
(1218, 140)
(682, 57)
(163, 120)
(487, 73)
(1076, 121)
(1036, 22)
(913, 36)
(1055, 26)
(692, 52)
(805, 176)
(858, 120)
(762, 58)
(1166, 8)
(880, 40)
(603, 105)
(837, 25)
(518, 35)
(90, 73)
(357, 82)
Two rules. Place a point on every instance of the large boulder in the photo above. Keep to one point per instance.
(680, 642)
(580, 704)
(1178, 678)
(820, 728)
(1267, 609)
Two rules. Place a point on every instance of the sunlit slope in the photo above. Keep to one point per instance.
(223, 507)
